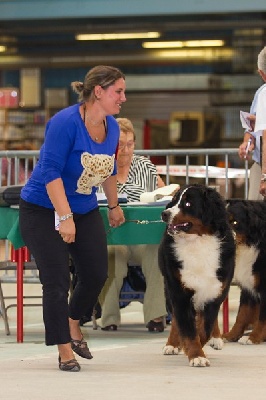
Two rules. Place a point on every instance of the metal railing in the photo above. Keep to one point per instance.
(16, 166)
(224, 155)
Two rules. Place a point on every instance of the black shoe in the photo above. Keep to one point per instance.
(155, 326)
(80, 347)
(112, 327)
(70, 365)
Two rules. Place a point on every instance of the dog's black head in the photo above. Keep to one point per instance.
(196, 209)
(247, 219)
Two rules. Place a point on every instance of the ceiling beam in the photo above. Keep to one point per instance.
(54, 9)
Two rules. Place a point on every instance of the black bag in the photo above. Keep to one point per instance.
(10, 195)
(136, 278)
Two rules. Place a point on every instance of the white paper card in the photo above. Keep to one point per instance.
(56, 221)
(244, 118)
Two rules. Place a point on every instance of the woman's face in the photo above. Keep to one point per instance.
(125, 148)
(113, 97)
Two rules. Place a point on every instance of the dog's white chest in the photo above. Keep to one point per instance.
(200, 258)
(245, 258)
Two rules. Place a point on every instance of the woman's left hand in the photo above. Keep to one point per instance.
(116, 217)
(263, 188)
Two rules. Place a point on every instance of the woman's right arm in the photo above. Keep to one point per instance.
(57, 195)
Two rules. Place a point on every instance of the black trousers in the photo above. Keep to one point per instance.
(51, 254)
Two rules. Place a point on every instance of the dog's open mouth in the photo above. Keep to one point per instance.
(173, 229)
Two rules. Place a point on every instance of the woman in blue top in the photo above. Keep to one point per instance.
(59, 213)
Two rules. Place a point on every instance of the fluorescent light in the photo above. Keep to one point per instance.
(196, 54)
(179, 44)
(204, 43)
(118, 36)
(161, 45)
(2, 49)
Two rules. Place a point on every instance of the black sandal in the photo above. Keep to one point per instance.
(155, 326)
(112, 327)
(70, 365)
(80, 347)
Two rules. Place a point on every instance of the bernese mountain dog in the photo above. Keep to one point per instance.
(248, 220)
(196, 257)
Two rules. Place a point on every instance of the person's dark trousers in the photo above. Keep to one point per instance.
(51, 254)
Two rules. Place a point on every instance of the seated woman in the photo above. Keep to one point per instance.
(135, 175)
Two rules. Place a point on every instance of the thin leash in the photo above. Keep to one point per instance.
(137, 221)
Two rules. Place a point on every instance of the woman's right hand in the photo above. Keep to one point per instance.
(67, 230)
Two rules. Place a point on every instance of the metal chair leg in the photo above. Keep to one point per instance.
(3, 310)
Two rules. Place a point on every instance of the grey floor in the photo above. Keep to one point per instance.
(127, 364)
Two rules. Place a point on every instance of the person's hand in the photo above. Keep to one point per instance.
(245, 149)
(116, 217)
(67, 230)
(263, 188)
(252, 120)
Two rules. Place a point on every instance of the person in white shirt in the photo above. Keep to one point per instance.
(135, 175)
(260, 122)
(254, 148)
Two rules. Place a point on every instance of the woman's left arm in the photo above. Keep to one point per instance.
(115, 213)
(160, 182)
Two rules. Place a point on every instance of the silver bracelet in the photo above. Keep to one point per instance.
(65, 217)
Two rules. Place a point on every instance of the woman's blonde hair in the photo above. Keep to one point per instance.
(126, 125)
(102, 75)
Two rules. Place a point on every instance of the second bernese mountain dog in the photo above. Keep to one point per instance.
(248, 219)
(196, 257)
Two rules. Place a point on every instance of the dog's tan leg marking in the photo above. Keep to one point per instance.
(201, 329)
(246, 316)
(216, 340)
(258, 334)
(173, 345)
(193, 350)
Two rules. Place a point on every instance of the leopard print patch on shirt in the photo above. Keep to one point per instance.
(97, 168)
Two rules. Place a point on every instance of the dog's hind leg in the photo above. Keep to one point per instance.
(173, 345)
(207, 326)
(248, 314)
(258, 334)
(191, 346)
(216, 341)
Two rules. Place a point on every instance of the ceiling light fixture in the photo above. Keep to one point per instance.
(196, 54)
(118, 36)
(181, 44)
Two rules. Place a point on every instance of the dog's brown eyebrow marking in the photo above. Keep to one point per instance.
(182, 194)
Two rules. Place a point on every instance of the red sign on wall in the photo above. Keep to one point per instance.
(9, 97)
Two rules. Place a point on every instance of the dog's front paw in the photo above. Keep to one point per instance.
(245, 340)
(170, 350)
(199, 362)
(216, 343)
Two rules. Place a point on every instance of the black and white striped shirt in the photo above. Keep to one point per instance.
(142, 177)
